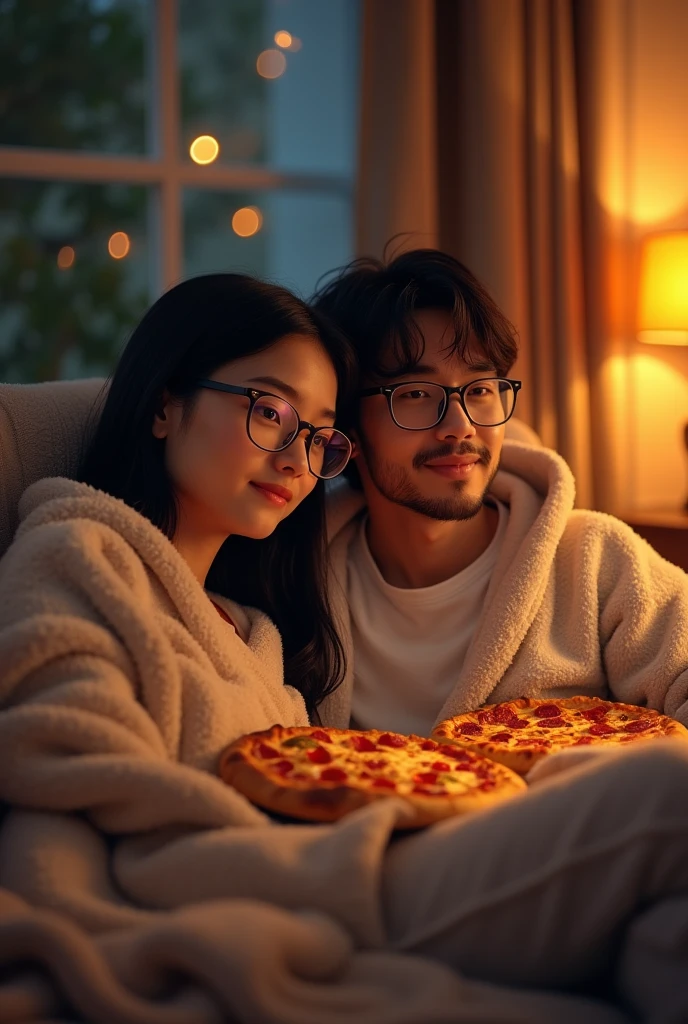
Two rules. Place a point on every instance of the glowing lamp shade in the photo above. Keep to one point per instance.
(663, 300)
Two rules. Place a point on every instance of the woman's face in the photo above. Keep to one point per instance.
(223, 482)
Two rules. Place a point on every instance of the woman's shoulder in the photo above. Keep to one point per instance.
(57, 512)
(59, 499)
(57, 505)
(69, 529)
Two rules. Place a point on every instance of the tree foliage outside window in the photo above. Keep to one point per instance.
(75, 76)
(99, 103)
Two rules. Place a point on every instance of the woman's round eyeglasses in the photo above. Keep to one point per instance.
(419, 404)
(273, 424)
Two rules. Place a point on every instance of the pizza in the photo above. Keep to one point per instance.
(518, 733)
(319, 774)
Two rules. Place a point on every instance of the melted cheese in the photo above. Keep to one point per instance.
(400, 765)
(537, 731)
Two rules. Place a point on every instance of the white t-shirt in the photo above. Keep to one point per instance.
(409, 644)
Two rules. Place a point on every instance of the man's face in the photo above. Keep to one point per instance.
(444, 471)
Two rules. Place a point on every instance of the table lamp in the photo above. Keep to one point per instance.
(663, 297)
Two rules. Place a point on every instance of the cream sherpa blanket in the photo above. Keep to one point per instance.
(137, 888)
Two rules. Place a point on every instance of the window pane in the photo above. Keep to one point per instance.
(294, 237)
(301, 120)
(73, 74)
(66, 304)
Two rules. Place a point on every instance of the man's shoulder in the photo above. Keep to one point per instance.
(603, 525)
(586, 526)
(614, 544)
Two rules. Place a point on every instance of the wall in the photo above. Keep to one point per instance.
(644, 188)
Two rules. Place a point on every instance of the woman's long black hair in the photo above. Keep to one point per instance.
(187, 334)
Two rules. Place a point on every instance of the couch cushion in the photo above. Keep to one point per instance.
(43, 431)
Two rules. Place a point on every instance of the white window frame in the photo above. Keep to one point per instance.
(167, 168)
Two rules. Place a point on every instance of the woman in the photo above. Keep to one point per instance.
(229, 473)
(121, 681)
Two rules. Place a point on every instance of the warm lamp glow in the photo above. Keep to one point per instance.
(204, 149)
(119, 245)
(283, 39)
(663, 301)
(247, 221)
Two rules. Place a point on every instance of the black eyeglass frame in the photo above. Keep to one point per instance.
(253, 395)
(388, 391)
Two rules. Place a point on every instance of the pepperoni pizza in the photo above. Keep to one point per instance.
(319, 774)
(518, 733)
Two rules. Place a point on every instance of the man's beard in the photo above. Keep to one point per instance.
(393, 482)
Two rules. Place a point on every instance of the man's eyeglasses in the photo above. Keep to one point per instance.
(418, 404)
(272, 424)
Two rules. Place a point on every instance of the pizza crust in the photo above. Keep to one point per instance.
(296, 801)
(521, 759)
(318, 801)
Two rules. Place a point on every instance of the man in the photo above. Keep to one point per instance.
(461, 573)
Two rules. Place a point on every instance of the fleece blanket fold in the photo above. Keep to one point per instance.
(136, 888)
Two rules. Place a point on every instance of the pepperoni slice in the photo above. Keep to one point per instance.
(501, 715)
(266, 751)
(583, 741)
(383, 784)
(547, 711)
(448, 751)
(319, 755)
(440, 766)
(640, 725)
(486, 785)
(470, 729)
(426, 777)
(363, 744)
(333, 775)
(428, 745)
(552, 723)
(465, 757)
(320, 734)
(502, 737)
(376, 763)
(429, 791)
(601, 729)
(283, 767)
(595, 714)
(390, 739)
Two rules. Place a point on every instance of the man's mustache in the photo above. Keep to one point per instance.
(444, 450)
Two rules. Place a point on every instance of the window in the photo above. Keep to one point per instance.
(143, 141)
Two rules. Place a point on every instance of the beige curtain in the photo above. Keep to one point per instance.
(500, 159)
(397, 196)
